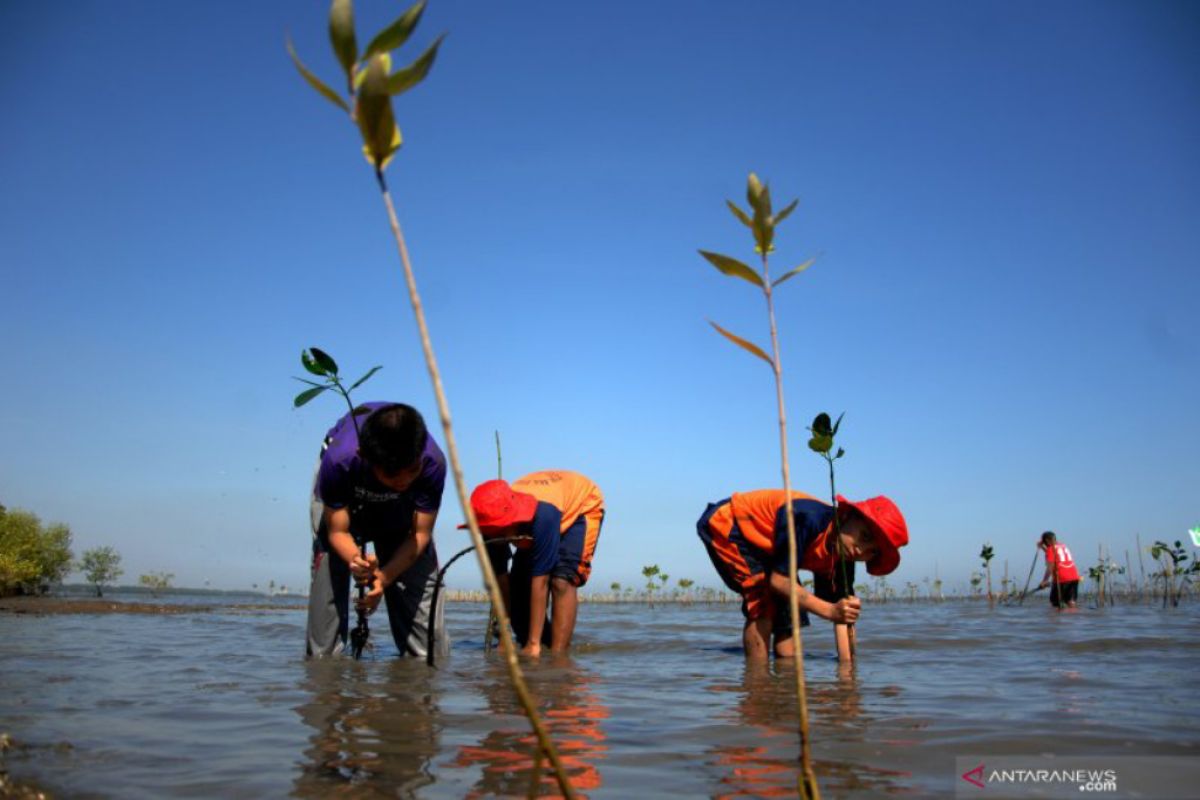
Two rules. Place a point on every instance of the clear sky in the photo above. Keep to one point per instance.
(1005, 198)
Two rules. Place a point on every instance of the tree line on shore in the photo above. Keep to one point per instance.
(35, 557)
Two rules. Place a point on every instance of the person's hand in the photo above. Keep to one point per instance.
(363, 569)
(846, 610)
(370, 600)
(1043, 584)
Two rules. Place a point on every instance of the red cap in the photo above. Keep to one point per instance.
(891, 531)
(497, 506)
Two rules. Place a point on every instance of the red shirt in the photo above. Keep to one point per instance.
(1059, 555)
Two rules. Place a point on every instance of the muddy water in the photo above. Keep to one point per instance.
(652, 703)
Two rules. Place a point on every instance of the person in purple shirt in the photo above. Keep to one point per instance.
(385, 488)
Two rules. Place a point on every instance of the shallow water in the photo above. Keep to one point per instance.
(651, 703)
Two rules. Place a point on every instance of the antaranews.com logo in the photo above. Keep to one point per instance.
(1086, 780)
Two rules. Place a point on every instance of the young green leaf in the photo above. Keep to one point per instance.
(820, 442)
(404, 79)
(315, 82)
(838, 424)
(311, 383)
(793, 271)
(341, 35)
(396, 34)
(311, 364)
(381, 137)
(323, 360)
(822, 425)
(742, 216)
(307, 394)
(782, 215)
(364, 378)
(754, 189)
(731, 266)
(841, 452)
(740, 342)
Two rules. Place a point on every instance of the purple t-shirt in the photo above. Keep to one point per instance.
(345, 479)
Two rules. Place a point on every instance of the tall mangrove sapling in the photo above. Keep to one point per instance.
(370, 84)
(762, 220)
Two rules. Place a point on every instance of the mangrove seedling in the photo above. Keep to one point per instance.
(649, 572)
(320, 364)
(762, 220)
(986, 555)
(1170, 558)
(370, 85)
(823, 432)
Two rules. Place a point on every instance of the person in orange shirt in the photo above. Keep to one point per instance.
(1061, 574)
(746, 538)
(560, 513)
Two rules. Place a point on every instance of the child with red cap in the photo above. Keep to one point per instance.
(746, 538)
(560, 513)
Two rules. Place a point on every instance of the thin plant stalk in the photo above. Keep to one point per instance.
(843, 634)
(1141, 565)
(807, 784)
(1029, 578)
(507, 646)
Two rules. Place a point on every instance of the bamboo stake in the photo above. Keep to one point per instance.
(507, 646)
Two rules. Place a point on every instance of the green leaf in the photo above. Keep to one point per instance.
(822, 425)
(820, 443)
(323, 360)
(364, 378)
(740, 342)
(396, 34)
(782, 215)
(404, 79)
(742, 216)
(792, 272)
(315, 82)
(341, 35)
(838, 424)
(306, 395)
(311, 383)
(754, 189)
(731, 266)
(376, 122)
(841, 452)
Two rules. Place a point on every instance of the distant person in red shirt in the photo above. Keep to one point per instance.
(746, 538)
(1061, 575)
(561, 513)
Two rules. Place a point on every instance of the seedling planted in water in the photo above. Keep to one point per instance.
(823, 432)
(762, 220)
(321, 364)
(986, 555)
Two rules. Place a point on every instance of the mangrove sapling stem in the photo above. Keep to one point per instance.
(507, 645)
(1029, 578)
(808, 782)
(1141, 565)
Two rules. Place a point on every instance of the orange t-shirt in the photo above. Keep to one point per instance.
(571, 493)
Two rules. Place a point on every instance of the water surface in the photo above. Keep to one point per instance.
(653, 702)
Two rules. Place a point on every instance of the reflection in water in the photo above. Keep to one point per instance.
(767, 763)
(573, 716)
(373, 735)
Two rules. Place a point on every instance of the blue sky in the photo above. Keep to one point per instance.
(1003, 196)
